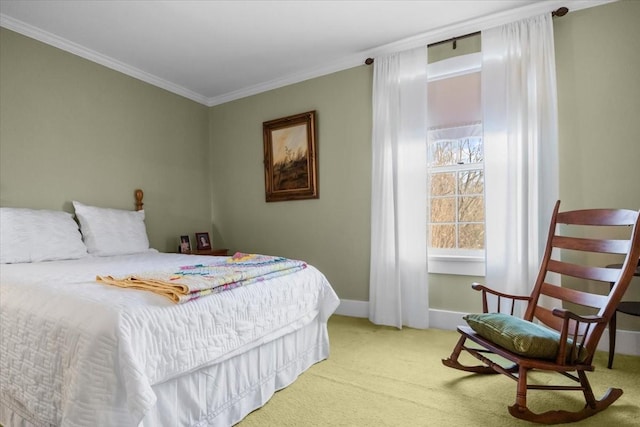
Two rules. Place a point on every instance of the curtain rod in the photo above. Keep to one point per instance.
(559, 12)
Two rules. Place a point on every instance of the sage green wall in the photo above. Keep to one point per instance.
(599, 96)
(331, 232)
(597, 61)
(71, 129)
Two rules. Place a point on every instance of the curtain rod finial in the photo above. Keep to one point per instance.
(560, 12)
(368, 61)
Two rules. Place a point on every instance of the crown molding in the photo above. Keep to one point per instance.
(76, 49)
(350, 62)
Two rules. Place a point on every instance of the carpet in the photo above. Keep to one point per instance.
(381, 376)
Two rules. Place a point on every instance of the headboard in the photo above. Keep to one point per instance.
(139, 194)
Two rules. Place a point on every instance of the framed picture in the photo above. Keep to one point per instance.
(185, 245)
(290, 158)
(203, 241)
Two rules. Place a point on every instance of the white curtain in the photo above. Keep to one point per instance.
(521, 149)
(398, 275)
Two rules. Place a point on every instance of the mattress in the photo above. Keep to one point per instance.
(75, 352)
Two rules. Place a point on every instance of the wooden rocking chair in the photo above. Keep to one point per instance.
(568, 342)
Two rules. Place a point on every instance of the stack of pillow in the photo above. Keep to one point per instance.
(35, 235)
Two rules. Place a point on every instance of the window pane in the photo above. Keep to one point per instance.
(471, 150)
(443, 209)
(443, 236)
(471, 182)
(471, 209)
(443, 153)
(443, 184)
(471, 236)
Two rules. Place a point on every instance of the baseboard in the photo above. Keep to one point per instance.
(353, 308)
(627, 342)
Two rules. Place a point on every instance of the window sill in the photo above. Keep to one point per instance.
(457, 264)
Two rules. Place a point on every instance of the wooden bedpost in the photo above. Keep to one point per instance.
(139, 194)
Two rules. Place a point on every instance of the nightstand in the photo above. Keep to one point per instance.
(212, 252)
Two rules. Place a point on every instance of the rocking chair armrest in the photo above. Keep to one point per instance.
(481, 287)
(499, 295)
(567, 314)
(573, 333)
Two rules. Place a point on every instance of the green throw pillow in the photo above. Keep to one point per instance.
(517, 335)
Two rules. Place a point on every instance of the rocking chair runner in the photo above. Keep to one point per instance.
(530, 346)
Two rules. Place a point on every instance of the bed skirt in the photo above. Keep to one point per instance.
(223, 394)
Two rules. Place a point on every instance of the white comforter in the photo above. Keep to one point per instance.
(77, 353)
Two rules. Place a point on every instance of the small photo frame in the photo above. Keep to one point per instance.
(185, 245)
(202, 241)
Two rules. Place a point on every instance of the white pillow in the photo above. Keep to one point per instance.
(112, 231)
(33, 235)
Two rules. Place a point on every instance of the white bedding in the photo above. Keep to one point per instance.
(77, 353)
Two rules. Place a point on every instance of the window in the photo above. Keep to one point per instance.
(456, 179)
(456, 168)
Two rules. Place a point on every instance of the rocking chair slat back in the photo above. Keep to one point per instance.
(612, 246)
(598, 217)
(547, 317)
(574, 296)
(569, 254)
(601, 274)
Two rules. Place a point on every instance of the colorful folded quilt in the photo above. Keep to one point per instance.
(194, 281)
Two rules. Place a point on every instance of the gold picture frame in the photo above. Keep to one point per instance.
(290, 158)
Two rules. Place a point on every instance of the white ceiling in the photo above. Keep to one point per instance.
(217, 51)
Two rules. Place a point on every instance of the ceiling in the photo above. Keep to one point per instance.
(216, 51)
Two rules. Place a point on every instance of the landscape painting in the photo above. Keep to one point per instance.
(290, 158)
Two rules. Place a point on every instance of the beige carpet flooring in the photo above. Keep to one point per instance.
(381, 376)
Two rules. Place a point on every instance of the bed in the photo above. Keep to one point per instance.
(75, 352)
